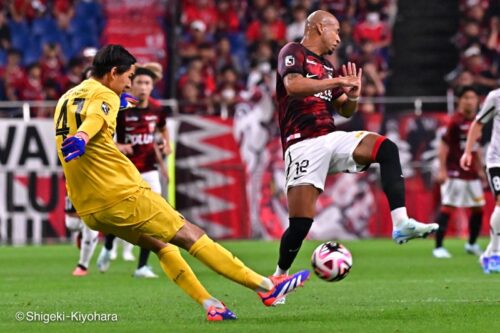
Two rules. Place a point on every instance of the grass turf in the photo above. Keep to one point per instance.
(391, 288)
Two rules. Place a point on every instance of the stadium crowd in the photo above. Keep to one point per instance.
(226, 47)
(478, 44)
(44, 46)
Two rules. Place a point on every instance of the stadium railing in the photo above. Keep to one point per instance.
(22, 109)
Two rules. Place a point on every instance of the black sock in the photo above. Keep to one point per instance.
(291, 240)
(391, 174)
(143, 257)
(475, 221)
(82, 267)
(442, 220)
(108, 241)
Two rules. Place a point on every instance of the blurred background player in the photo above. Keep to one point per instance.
(459, 187)
(490, 259)
(86, 238)
(127, 248)
(135, 132)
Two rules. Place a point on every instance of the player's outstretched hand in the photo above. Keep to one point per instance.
(466, 161)
(73, 147)
(350, 71)
(127, 101)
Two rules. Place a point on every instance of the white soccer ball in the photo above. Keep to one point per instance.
(331, 261)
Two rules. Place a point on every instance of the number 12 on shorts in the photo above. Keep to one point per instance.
(301, 168)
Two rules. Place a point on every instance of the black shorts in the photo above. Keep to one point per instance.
(494, 178)
(68, 207)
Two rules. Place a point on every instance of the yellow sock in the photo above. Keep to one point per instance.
(225, 263)
(178, 270)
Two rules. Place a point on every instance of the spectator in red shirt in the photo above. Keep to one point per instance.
(270, 21)
(227, 18)
(201, 10)
(228, 92)
(189, 101)
(194, 76)
(13, 74)
(31, 88)
(51, 62)
(373, 29)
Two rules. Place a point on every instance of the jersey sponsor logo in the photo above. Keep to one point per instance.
(308, 75)
(132, 118)
(328, 68)
(105, 108)
(311, 62)
(326, 95)
(289, 60)
(139, 139)
(129, 128)
(149, 118)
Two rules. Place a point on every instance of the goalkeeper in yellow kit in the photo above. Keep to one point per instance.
(110, 196)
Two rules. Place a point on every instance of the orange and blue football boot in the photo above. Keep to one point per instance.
(220, 314)
(283, 285)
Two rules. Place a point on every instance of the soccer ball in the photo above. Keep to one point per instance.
(331, 261)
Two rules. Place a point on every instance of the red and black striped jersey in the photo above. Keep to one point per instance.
(137, 126)
(304, 117)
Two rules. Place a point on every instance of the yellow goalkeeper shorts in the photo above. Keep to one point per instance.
(143, 213)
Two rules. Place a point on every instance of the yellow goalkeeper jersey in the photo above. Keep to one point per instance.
(103, 176)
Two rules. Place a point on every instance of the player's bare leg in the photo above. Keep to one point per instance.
(375, 148)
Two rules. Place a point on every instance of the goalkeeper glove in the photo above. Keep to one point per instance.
(73, 147)
(127, 101)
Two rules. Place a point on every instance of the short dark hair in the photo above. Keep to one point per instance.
(111, 56)
(462, 90)
(144, 71)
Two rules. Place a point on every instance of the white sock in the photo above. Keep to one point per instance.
(127, 247)
(398, 215)
(212, 302)
(87, 246)
(114, 250)
(266, 285)
(494, 246)
(280, 271)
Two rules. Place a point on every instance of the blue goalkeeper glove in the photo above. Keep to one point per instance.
(73, 147)
(127, 101)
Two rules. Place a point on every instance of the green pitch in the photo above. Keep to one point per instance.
(391, 288)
